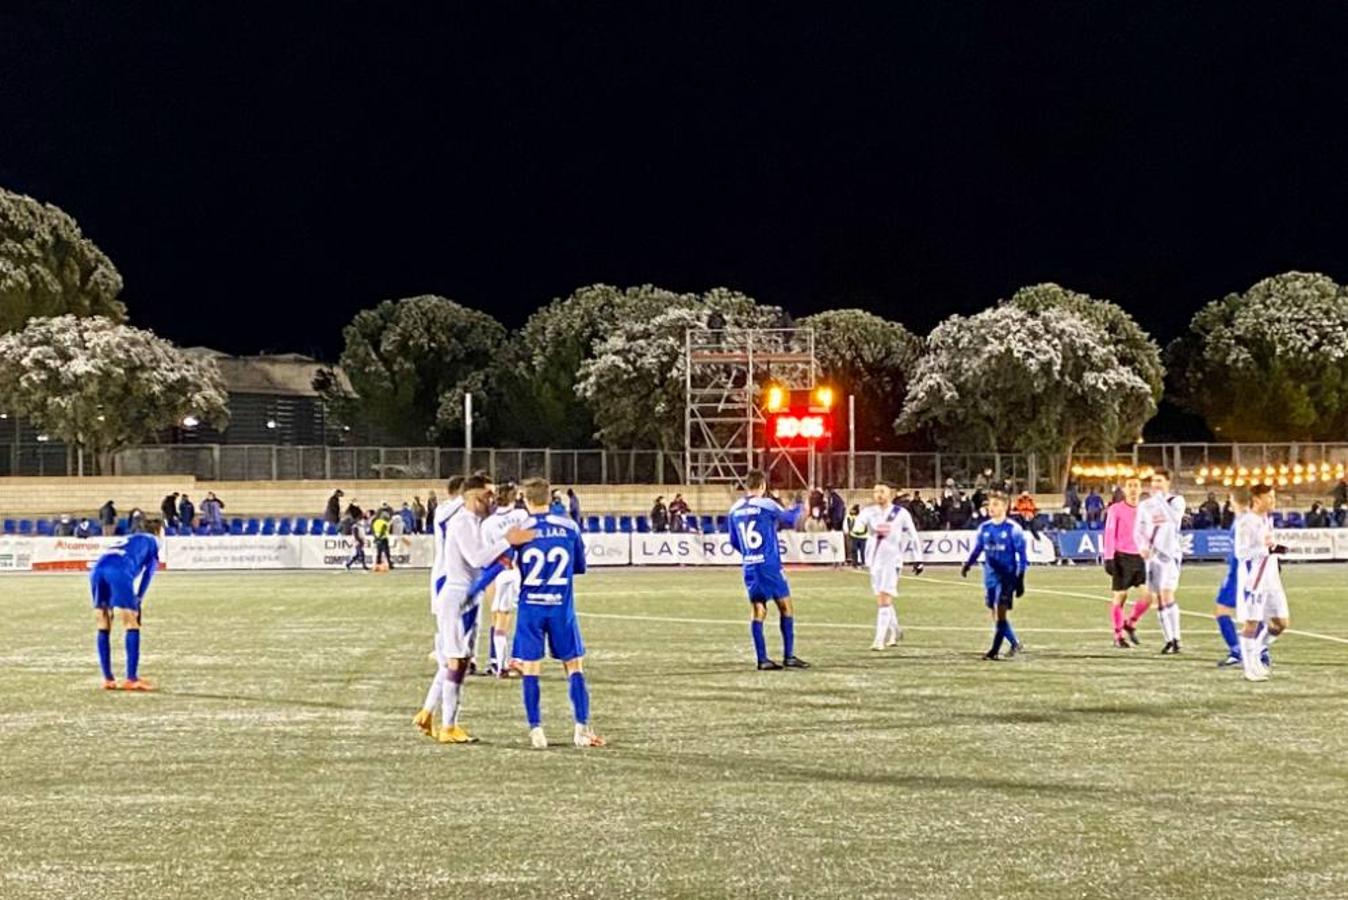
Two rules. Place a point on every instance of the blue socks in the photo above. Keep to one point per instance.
(1228, 630)
(760, 645)
(533, 710)
(105, 654)
(788, 636)
(998, 635)
(580, 698)
(132, 653)
(1011, 634)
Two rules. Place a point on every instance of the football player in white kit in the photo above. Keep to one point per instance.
(1260, 599)
(425, 717)
(1156, 530)
(465, 552)
(506, 587)
(891, 528)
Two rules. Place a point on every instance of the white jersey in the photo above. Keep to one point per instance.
(1257, 571)
(892, 527)
(439, 531)
(466, 551)
(495, 526)
(1157, 526)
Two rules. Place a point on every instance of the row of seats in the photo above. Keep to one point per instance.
(266, 526)
(642, 524)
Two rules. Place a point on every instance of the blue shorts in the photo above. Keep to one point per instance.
(1226, 594)
(1000, 592)
(113, 587)
(556, 625)
(764, 585)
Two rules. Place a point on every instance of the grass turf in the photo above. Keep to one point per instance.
(278, 758)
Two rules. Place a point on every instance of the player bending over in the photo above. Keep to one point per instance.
(1157, 532)
(505, 581)
(113, 584)
(465, 552)
(1001, 543)
(891, 525)
(425, 717)
(1260, 599)
(547, 612)
(753, 532)
(1124, 564)
(1224, 605)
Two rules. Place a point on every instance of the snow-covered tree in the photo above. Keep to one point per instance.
(869, 357)
(408, 360)
(1270, 364)
(634, 383)
(1008, 378)
(49, 268)
(104, 386)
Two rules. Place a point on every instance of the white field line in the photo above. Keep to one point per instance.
(635, 617)
(1096, 597)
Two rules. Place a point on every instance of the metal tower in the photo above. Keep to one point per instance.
(726, 369)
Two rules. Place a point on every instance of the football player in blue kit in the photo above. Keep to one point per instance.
(547, 612)
(1225, 602)
(753, 533)
(113, 585)
(1001, 543)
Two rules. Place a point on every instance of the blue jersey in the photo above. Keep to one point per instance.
(1002, 546)
(114, 574)
(753, 532)
(548, 562)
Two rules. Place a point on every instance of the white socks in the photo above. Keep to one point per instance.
(449, 709)
(886, 622)
(1169, 617)
(499, 640)
(434, 691)
(1250, 650)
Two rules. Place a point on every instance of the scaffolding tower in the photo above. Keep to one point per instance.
(726, 370)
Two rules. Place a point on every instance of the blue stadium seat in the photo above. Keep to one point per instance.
(203, 529)
(301, 527)
(643, 525)
(268, 526)
(236, 526)
(44, 528)
(315, 526)
(122, 527)
(330, 529)
(592, 524)
(1277, 519)
(707, 524)
(723, 524)
(10, 526)
(610, 525)
(25, 526)
(283, 526)
(625, 524)
(1295, 520)
(251, 527)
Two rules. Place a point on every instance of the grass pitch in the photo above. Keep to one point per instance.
(278, 758)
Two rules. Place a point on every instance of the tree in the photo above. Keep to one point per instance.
(49, 268)
(409, 361)
(1046, 381)
(870, 358)
(1134, 347)
(634, 382)
(103, 386)
(1270, 364)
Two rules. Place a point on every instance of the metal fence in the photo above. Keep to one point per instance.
(923, 471)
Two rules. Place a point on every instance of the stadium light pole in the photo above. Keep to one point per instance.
(851, 442)
(467, 432)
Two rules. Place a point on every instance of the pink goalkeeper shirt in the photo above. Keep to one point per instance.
(1119, 519)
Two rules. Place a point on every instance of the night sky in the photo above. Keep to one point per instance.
(258, 176)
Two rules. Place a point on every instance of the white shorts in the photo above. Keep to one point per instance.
(1162, 574)
(458, 623)
(1261, 606)
(885, 578)
(507, 596)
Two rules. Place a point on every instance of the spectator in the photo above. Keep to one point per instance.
(1095, 508)
(961, 512)
(85, 529)
(816, 499)
(168, 509)
(557, 507)
(659, 515)
(816, 522)
(982, 482)
(1026, 510)
(107, 517)
(837, 510)
(1341, 502)
(1317, 517)
(409, 519)
(354, 512)
(347, 526)
(333, 513)
(419, 520)
(65, 525)
(1210, 512)
(379, 528)
(573, 505)
(135, 521)
(1228, 514)
(855, 537)
(187, 511)
(431, 504)
(398, 524)
(385, 510)
(213, 513)
(356, 529)
(1117, 495)
(678, 511)
(1071, 500)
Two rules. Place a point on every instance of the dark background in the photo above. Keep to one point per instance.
(259, 174)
